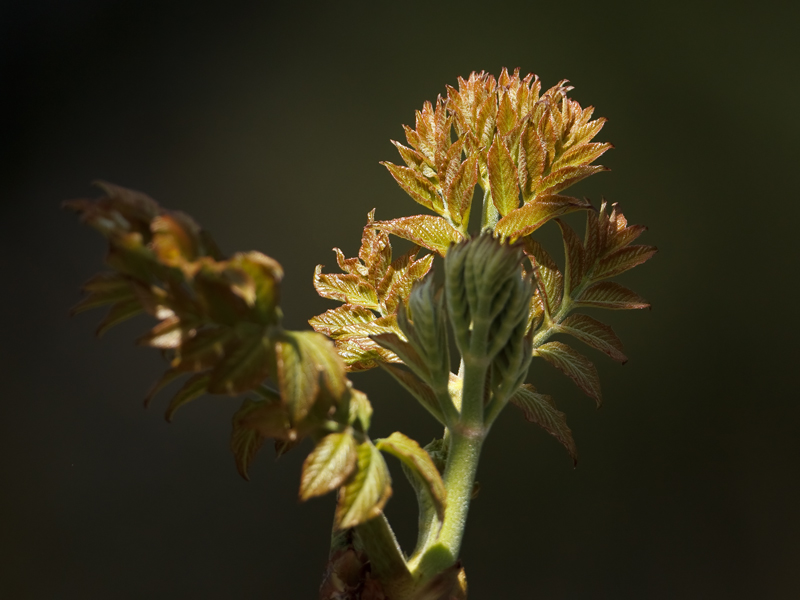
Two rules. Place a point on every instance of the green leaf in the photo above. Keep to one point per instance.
(329, 465)
(595, 334)
(195, 386)
(367, 492)
(335, 321)
(246, 363)
(574, 365)
(502, 178)
(420, 463)
(416, 186)
(433, 233)
(360, 409)
(540, 409)
(304, 359)
(529, 217)
(574, 263)
(611, 295)
(405, 352)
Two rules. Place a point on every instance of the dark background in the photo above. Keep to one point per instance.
(267, 125)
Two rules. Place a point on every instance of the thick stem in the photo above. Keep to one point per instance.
(459, 479)
(376, 538)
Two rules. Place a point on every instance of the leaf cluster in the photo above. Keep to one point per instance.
(521, 147)
(219, 323)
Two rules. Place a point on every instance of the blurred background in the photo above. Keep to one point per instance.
(266, 124)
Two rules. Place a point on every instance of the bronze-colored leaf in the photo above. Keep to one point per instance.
(622, 260)
(540, 409)
(595, 334)
(609, 294)
(565, 177)
(332, 322)
(573, 364)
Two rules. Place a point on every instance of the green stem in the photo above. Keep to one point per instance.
(459, 480)
(376, 538)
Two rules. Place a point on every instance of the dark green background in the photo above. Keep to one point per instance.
(267, 125)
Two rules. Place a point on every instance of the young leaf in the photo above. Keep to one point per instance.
(329, 465)
(420, 463)
(540, 409)
(433, 233)
(609, 294)
(576, 366)
(245, 365)
(351, 289)
(195, 386)
(621, 260)
(119, 312)
(303, 360)
(365, 495)
(416, 186)
(246, 439)
(417, 388)
(502, 178)
(360, 409)
(595, 334)
(529, 217)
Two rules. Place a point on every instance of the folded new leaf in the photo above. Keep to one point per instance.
(419, 462)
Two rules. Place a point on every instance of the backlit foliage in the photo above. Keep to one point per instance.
(502, 300)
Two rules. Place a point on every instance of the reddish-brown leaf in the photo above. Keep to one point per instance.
(609, 294)
(595, 334)
(574, 365)
(541, 410)
(621, 260)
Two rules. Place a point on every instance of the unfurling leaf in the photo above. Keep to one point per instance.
(595, 334)
(573, 364)
(329, 465)
(540, 409)
(529, 217)
(360, 409)
(417, 388)
(419, 462)
(368, 490)
(433, 233)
